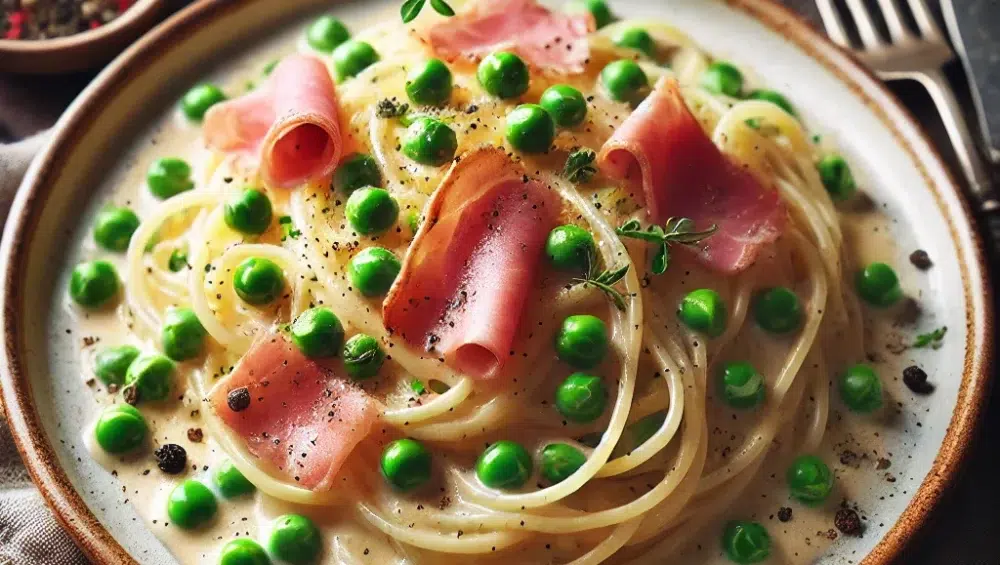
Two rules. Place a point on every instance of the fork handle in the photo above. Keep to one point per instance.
(976, 174)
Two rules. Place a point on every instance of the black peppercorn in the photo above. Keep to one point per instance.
(915, 379)
(848, 522)
(171, 458)
(784, 514)
(921, 260)
(238, 399)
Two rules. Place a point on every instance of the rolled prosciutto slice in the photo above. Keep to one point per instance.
(292, 413)
(290, 124)
(662, 147)
(468, 273)
(545, 39)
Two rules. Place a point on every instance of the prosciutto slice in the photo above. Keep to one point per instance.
(468, 272)
(300, 418)
(290, 124)
(546, 39)
(663, 148)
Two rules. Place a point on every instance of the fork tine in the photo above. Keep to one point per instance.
(925, 19)
(863, 21)
(831, 21)
(894, 21)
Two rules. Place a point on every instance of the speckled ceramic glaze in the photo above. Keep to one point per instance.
(48, 403)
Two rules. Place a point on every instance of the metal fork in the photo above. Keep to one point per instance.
(918, 57)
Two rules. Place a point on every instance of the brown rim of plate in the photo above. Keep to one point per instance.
(101, 546)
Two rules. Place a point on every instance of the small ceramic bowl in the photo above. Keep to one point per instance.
(85, 50)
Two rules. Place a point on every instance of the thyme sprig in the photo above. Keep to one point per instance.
(411, 9)
(605, 281)
(677, 231)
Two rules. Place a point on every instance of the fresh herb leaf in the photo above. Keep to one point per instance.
(932, 339)
(418, 387)
(605, 281)
(410, 10)
(288, 229)
(269, 68)
(580, 166)
(386, 109)
(676, 231)
(178, 260)
(442, 7)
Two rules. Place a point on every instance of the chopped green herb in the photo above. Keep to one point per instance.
(678, 231)
(817, 138)
(288, 229)
(269, 68)
(418, 387)
(387, 108)
(580, 166)
(932, 339)
(178, 260)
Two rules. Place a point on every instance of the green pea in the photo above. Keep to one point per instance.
(168, 177)
(317, 332)
(353, 56)
(199, 99)
(565, 104)
(809, 480)
(878, 285)
(504, 465)
(258, 281)
(120, 428)
(429, 83)
(295, 539)
(150, 376)
(582, 341)
(571, 248)
(597, 8)
(773, 97)
(704, 311)
(430, 141)
(356, 171)
(371, 211)
(111, 364)
(530, 129)
(363, 357)
(114, 227)
(778, 310)
(722, 77)
(191, 504)
(248, 212)
(861, 389)
(406, 464)
(93, 283)
(183, 336)
(625, 81)
(741, 386)
(243, 551)
(230, 481)
(746, 542)
(326, 33)
(638, 39)
(581, 398)
(504, 75)
(560, 460)
(373, 271)
(837, 177)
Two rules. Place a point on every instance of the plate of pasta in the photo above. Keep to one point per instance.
(491, 282)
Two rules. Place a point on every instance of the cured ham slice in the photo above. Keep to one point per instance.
(545, 39)
(290, 125)
(293, 413)
(663, 148)
(468, 272)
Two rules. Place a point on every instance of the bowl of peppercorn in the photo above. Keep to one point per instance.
(56, 36)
